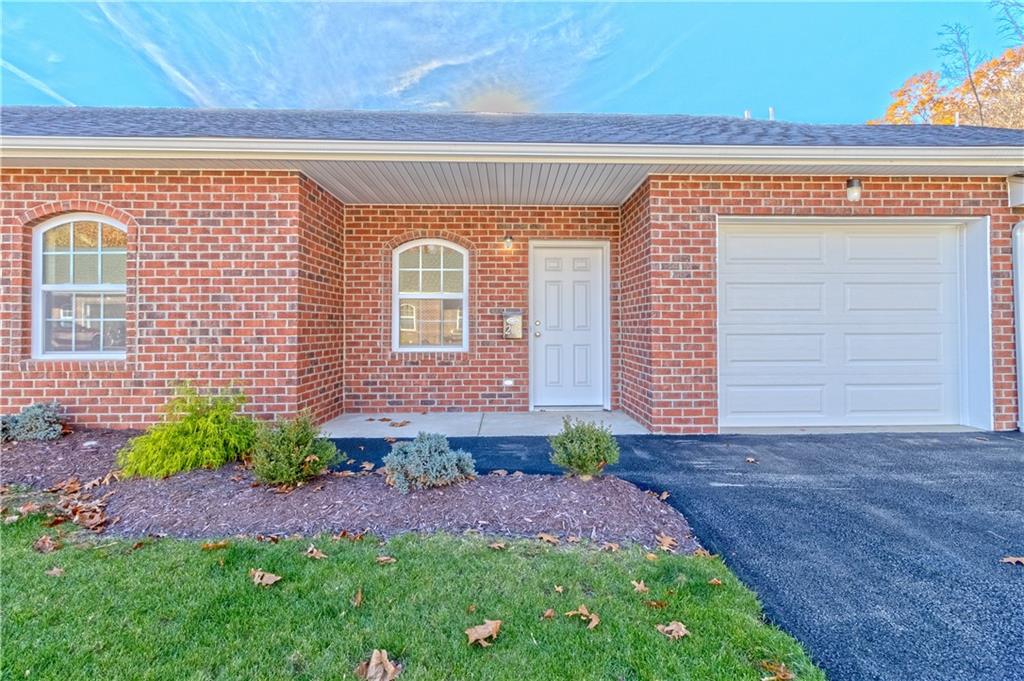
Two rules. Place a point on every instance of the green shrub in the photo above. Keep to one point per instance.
(427, 461)
(290, 452)
(38, 422)
(199, 431)
(584, 447)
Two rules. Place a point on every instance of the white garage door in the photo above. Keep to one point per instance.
(832, 324)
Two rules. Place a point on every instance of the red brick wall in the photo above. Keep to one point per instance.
(213, 294)
(683, 235)
(321, 302)
(378, 379)
(635, 305)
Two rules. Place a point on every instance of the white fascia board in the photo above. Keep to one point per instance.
(1015, 190)
(296, 150)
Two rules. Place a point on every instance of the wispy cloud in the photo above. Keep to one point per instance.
(36, 83)
(417, 73)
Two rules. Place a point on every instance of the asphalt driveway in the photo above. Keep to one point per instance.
(880, 552)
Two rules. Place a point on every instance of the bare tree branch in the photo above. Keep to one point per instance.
(1010, 17)
(961, 61)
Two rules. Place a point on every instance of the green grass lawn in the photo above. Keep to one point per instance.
(169, 610)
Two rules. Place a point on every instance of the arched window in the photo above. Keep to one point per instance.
(78, 287)
(431, 296)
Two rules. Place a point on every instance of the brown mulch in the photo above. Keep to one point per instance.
(225, 502)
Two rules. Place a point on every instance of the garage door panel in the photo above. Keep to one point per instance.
(867, 334)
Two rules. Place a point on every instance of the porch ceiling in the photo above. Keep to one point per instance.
(582, 183)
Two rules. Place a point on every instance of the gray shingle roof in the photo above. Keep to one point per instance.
(407, 126)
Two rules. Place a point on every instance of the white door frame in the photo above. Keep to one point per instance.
(977, 398)
(606, 340)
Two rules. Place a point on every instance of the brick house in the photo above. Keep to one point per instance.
(697, 273)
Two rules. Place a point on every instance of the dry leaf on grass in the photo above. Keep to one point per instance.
(497, 546)
(471, 608)
(315, 553)
(386, 560)
(548, 614)
(55, 571)
(656, 605)
(28, 508)
(640, 587)
(261, 578)
(481, 632)
(702, 552)
(559, 588)
(357, 600)
(11, 519)
(46, 544)
(591, 618)
(779, 672)
(610, 547)
(216, 545)
(1012, 560)
(547, 538)
(378, 667)
(666, 543)
(345, 534)
(673, 630)
(572, 539)
(715, 581)
(651, 556)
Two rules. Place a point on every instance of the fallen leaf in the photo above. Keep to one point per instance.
(778, 670)
(481, 632)
(271, 538)
(572, 539)
(1012, 560)
(378, 667)
(500, 472)
(56, 520)
(371, 419)
(384, 419)
(559, 588)
(315, 553)
(11, 519)
(715, 581)
(345, 534)
(651, 556)
(702, 552)
(471, 608)
(666, 543)
(46, 544)
(390, 440)
(586, 615)
(547, 538)
(216, 545)
(497, 546)
(399, 424)
(640, 587)
(386, 560)
(656, 605)
(55, 571)
(261, 578)
(28, 508)
(367, 465)
(610, 547)
(663, 496)
(751, 459)
(357, 600)
(673, 630)
(548, 614)
(136, 546)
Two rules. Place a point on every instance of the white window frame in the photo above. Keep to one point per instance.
(38, 288)
(396, 297)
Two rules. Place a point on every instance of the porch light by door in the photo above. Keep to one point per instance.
(508, 240)
(853, 189)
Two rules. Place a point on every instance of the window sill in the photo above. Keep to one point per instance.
(109, 363)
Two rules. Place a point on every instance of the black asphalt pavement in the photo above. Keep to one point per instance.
(879, 552)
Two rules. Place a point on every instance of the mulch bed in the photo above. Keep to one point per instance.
(225, 502)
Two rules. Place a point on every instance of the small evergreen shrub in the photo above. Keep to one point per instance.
(290, 452)
(427, 461)
(584, 447)
(38, 422)
(198, 431)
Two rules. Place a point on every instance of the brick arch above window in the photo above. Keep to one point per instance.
(440, 234)
(38, 214)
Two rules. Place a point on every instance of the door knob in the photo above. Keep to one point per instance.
(537, 334)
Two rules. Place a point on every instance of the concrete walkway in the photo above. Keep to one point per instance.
(472, 424)
(879, 552)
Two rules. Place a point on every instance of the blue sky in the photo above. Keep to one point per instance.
(814, 62)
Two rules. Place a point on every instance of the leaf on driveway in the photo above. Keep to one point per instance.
(216, 545)
(665, 542)
(779, 672)
(1012, 560)
(481, 632)
(315, 553)
(367, 466)
(261, 578)
(378, 667)
(46, 544)
(547, 538)
(673, 630)
(591, 618)
(640, 587)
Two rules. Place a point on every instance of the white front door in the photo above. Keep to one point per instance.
(839, 324)
(569, 355)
